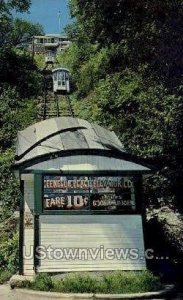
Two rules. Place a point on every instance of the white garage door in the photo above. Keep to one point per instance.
(90, 243)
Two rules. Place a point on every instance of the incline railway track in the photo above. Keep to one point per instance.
(56, 105)
(53, 104)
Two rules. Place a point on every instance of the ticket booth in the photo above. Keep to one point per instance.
(81, 207)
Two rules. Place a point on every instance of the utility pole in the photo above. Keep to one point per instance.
(33, 48)
(59, 21)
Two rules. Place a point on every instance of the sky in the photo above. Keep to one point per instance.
(46, 12)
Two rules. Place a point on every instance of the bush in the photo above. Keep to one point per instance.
(78, 283)
(43, 282)
(131, 282)
(5, 275)
(111, 283)
(9, 251)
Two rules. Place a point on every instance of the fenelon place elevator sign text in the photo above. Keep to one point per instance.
(87, 193)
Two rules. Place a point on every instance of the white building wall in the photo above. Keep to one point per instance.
(100, 232)
(81, 232)
(28, 235)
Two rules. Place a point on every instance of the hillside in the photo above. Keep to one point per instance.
(126, 74)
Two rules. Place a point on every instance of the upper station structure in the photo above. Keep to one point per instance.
(52, 42)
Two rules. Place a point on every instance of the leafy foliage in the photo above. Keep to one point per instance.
(9, 253)
(5, 275)
(19, 5)
(18, 70)
(15, 114)
(43, 282)
(127, 66)
(20, 83)
(16, 32)
(9, 197)
(112, 283)
(39, 60)
(9, 187)
(144, 32)
(23, 30)
(6, 20)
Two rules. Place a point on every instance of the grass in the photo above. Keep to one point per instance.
(111, 283)
(5, 275)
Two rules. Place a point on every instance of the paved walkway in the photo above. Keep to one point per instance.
(7, 294)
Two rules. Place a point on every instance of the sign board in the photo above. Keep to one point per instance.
(88, 193)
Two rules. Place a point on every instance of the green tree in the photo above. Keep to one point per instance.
(22, 31)
(128, 66)
(18, 5)
(18, 70)
(16, 113)
(20, 83)
(145, 34)
(6, 20)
